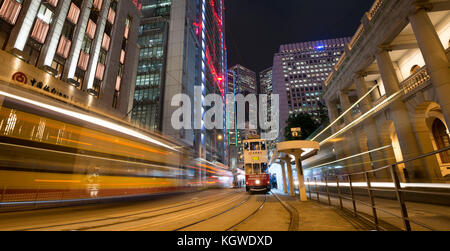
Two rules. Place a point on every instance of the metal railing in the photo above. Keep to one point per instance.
(338, 182)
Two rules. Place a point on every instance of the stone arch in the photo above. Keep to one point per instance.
(424, 117)
(414, 69)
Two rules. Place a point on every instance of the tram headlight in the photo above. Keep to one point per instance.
(257, 182)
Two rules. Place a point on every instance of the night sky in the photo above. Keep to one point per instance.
(256, 28)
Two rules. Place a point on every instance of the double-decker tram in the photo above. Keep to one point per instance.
(257, 177)
(52, 153)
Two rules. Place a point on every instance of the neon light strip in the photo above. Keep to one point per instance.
(89, 119)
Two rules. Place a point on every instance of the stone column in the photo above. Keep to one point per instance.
(351, 144)
(370, 127)
(402, 122)
(333, 114)
(54, 34)
(345, 105)
(77, 40)
(283, 172)
(24, 25)
(435, 57)
(340, 150)
(301, 178)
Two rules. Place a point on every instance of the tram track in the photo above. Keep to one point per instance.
(249, 216)
(214, 216)
(132, 214)
(293, 213)
(167, 220)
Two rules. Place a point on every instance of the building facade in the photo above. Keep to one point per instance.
(245, 83)
(299, 73)
(79, 52)
(266, 87)
(182, 47)
(397, 68)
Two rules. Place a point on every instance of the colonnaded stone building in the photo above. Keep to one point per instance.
(397, 69)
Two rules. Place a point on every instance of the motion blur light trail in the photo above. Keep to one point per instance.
(59, 158)
(89, 119)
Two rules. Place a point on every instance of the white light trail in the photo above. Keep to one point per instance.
(344, 113)
(351, 157)
(381, 184)
(362, 117)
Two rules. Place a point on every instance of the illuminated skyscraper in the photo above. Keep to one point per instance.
(245, 84)
(182, 46)
(266, 87)
(299, 73)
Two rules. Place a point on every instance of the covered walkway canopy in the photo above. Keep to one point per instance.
(298, 149)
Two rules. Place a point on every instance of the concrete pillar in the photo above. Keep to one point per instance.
(400, 116)
(283, 172)
(435, 57)
(19, 34)
(54, 34)
(96, 47)
(301, 178)
(290, 176)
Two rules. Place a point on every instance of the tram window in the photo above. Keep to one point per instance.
(264, 167)
(248, 169)
(263, 145)
(254, 146)
(256, 169)
(246, 145)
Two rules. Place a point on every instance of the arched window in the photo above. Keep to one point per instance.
(414, 69)
(442, 139)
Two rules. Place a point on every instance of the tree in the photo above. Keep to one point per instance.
(304, 121)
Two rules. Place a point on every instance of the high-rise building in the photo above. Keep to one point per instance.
(266, 87)
(182, 47)
(231, 126)
(299, 73)
(79, 52)
(245, 84)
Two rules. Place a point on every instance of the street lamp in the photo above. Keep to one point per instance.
(220, 137)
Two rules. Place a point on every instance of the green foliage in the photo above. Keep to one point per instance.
(303, 120)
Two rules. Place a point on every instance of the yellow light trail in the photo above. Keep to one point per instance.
(57, 181)
(89, 119)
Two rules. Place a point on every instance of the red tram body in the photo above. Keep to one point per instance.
(257, 177)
